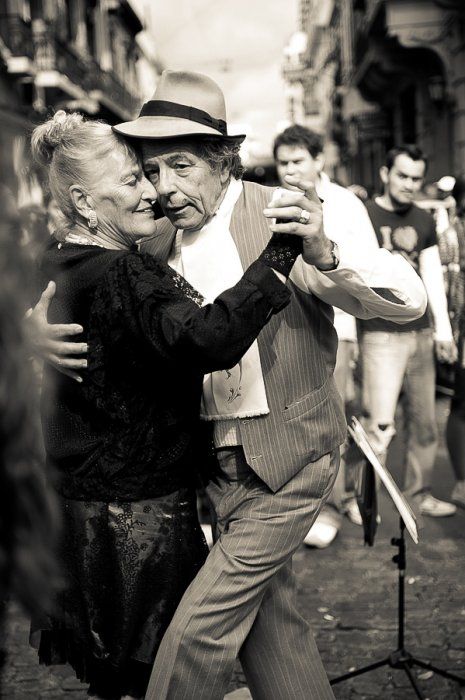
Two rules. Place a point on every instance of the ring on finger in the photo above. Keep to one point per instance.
(304, 217)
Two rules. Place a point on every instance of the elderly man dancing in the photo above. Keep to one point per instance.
(278, 420)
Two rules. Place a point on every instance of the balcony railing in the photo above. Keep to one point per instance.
(76, 74)
(52, 55)
(107, 83)
(17, 35)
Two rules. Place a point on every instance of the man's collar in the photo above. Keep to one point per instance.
(393, 209)
(321, 185)
(232, 194)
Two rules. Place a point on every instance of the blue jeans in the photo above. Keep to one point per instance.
(390, 362)
(343, 376)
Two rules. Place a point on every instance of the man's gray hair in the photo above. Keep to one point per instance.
(221, 154)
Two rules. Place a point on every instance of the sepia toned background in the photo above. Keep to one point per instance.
(366, 74)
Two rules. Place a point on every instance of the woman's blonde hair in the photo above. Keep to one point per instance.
(72, 149)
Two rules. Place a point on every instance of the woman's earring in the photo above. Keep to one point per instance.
(92, 220)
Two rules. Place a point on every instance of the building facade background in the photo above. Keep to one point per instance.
(93, 56)
(376, 73)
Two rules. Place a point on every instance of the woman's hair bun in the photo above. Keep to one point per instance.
(52, 134)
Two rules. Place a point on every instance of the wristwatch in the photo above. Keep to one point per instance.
(335, 256)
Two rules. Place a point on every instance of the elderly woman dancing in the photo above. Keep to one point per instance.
(125, 441)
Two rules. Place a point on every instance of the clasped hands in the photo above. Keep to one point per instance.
(300, 212)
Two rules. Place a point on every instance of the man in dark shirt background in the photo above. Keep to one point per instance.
(396, 357)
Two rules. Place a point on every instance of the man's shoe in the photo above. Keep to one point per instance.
(458, 494)
(429, 505)
(352, 511)
(324, 529)
(239, 694)
(321, 535)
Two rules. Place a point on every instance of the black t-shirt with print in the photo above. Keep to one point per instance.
(406, 233)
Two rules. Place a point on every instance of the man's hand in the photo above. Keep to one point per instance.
(46, 340)
(446, 351)
(317, 248)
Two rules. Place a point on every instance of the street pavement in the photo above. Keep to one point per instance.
(348, 593)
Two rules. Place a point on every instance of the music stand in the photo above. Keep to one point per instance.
(400, 658)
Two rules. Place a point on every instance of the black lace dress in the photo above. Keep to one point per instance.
(125, 446)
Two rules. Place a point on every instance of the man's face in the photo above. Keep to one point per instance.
(189, 191)
(403, 180)
(297, 161)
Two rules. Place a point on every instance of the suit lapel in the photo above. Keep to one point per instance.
(249, 227)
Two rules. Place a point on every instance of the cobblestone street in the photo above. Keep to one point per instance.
(349, 594)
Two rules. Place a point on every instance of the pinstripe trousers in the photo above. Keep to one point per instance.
(242, 602)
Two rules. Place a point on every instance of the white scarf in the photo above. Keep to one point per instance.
(210, 262)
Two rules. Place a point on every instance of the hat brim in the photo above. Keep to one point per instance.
(169, 127)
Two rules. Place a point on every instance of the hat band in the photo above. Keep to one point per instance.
(163, 108)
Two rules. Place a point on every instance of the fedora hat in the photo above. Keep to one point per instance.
(184, 104)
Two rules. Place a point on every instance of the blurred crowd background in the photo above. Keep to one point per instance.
(367, 74)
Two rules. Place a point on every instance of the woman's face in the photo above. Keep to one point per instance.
(122, 198)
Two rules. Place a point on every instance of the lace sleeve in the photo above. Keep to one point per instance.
(159, 306)
(281, 252)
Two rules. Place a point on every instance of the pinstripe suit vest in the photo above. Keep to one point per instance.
(297, 352)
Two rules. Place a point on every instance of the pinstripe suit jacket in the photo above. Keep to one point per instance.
(297, 351)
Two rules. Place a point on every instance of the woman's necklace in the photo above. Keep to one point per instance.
(78, 239)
